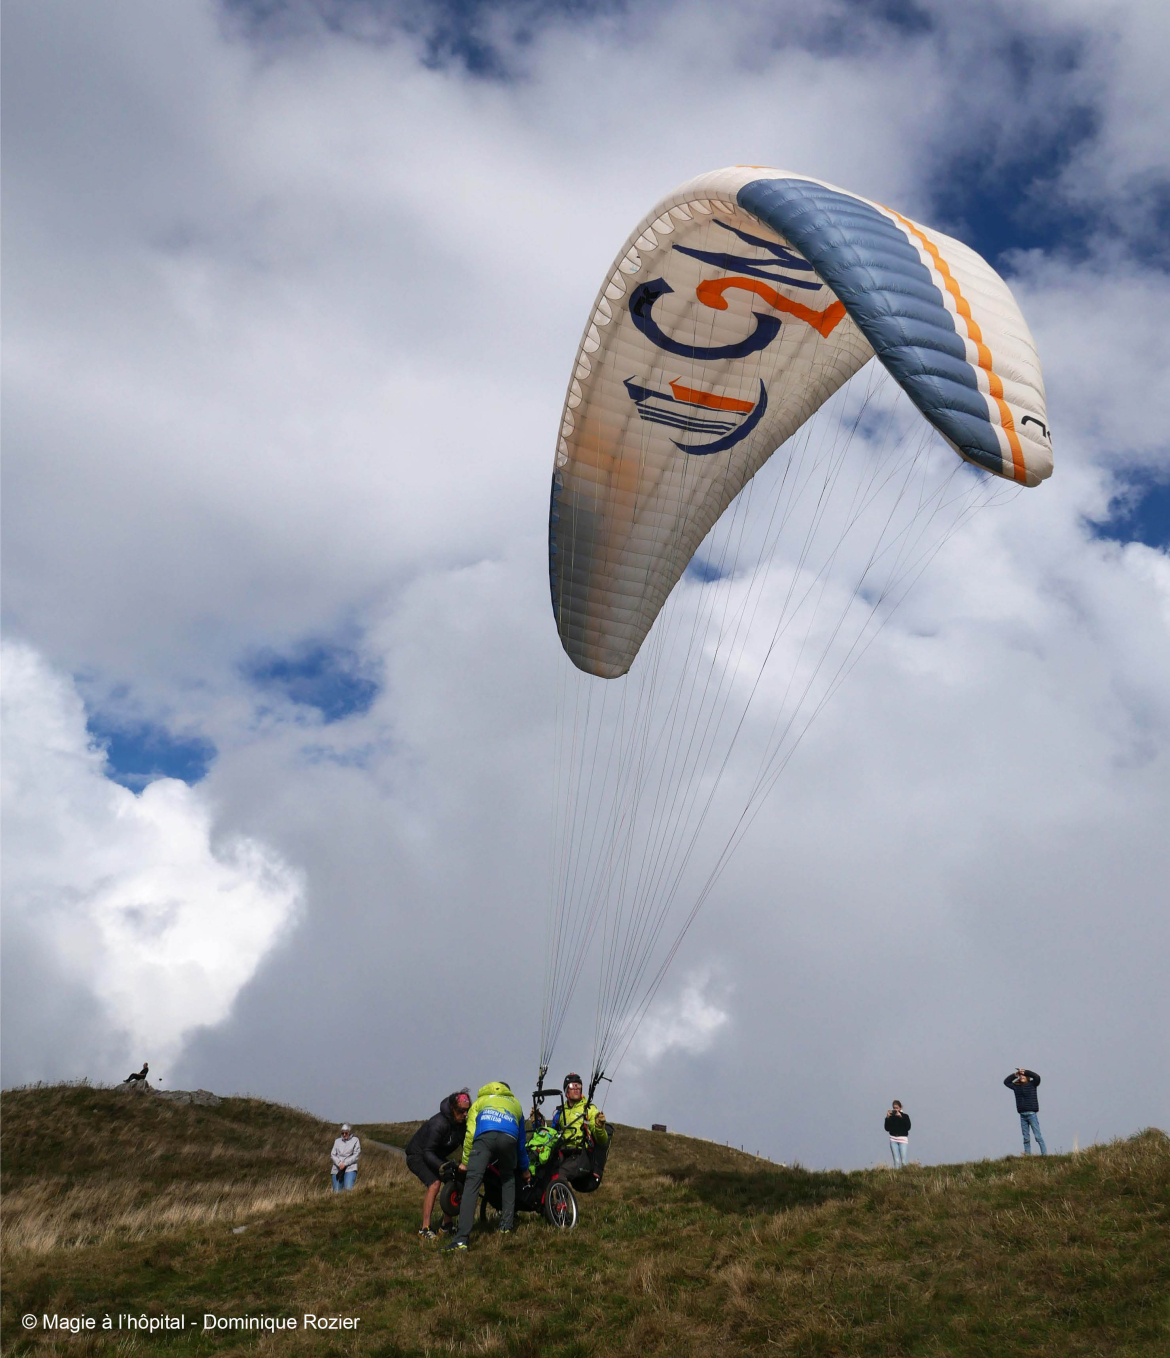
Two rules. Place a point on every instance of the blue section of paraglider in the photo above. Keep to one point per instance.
(642, 300)
(870, 263)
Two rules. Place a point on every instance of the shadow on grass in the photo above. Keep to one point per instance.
(763, 1191)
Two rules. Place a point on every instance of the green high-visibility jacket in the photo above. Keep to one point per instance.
(496, 1109)
(578, 1116)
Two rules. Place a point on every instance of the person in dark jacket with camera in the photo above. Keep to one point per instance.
(430, 1146)
(898, 1127)
(1023, 1084)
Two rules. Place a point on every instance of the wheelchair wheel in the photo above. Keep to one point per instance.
(450, 1195)
(560, 1206)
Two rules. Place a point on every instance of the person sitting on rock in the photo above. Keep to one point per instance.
(140, 1075)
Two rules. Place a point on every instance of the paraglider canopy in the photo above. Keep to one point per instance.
(742, 302)
(739, 308)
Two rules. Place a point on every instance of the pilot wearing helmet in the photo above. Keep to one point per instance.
(581, 1119)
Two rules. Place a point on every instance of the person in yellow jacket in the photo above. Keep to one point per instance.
(580, 1114)
(495, 1134)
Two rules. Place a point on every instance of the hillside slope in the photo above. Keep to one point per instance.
(115, 1203)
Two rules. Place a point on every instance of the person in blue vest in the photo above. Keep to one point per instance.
(1023, 1084)
(494, 1135)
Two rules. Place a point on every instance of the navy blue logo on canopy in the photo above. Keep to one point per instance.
(642, 300)
(699, 412)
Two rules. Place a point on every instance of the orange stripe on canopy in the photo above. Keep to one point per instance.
(994, 383)
(692, 397)
(710, 293)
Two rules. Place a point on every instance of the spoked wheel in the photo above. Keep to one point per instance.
(560, 1206)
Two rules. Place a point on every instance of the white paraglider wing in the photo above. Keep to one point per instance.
(737, 308)
(734, 312)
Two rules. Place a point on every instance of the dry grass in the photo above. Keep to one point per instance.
(95, 1165)
(689, 1250)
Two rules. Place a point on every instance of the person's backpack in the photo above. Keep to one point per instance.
(541, 1145)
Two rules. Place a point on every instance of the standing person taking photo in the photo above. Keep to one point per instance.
(898, 1127)
(1023, 1084)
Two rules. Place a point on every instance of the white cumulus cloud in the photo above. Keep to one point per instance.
(689, 1024)
(128, 897)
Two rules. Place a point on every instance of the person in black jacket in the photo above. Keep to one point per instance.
(430, 1146)
(1023, 1084)
(898, 1126)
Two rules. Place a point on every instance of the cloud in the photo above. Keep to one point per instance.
(148, 924)
(289, 319)
(689, 1022)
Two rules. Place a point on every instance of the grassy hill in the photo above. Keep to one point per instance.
(118, 1204)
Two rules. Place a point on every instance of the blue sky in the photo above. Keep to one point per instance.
(324, 680)
(292, 294)
(324, 677)
(139, 752)
(1140, 513)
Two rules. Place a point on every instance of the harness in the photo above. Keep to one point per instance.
(588, 1138)
(581, 1164)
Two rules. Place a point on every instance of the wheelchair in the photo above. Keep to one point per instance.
(559, 1174)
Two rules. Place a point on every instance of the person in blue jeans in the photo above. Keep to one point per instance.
(898, 1127)
(344, 1157)
(1023, 1084)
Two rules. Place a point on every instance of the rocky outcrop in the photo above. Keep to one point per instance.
(203, 1098)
